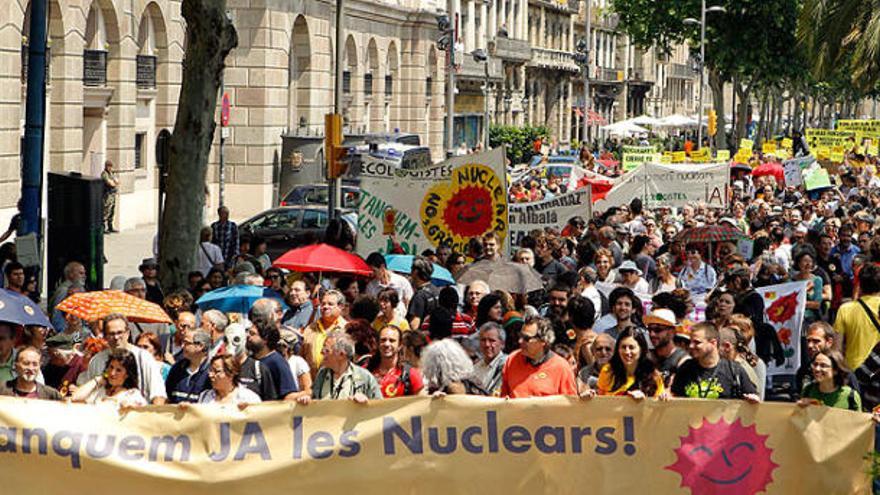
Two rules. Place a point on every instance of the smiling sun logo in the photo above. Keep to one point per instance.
(472, 202)
(724, 459)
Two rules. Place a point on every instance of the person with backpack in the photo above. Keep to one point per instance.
(396, 378)
(829, 386)
(424, 299)
(857, 322)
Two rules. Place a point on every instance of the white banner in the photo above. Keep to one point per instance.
(554, 213)
(784, 306)
(671, 185)
(450, 202)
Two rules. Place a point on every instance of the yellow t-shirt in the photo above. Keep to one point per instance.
(606, 381)
(859, 334)
(379, 323)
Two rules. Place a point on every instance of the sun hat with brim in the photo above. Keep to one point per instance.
(60, 341)
(663, 317)
(629, 266)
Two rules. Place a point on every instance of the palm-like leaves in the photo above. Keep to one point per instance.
(846, 33)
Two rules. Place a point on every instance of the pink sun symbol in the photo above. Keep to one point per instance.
(723, 458)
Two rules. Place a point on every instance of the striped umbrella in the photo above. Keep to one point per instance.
(711, 233)
(92, 306)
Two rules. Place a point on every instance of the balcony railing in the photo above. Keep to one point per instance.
(608, 75)
(368, 84)
(94, 68)
(389, 85)
(554, 59)
(513, 49)
(681, 71)
(146, 72)
(346, 82)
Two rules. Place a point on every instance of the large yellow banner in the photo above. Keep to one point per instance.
(449, 445)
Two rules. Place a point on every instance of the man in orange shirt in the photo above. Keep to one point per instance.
(534, 370)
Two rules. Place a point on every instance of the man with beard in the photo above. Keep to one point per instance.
(25, 385)
(396, 379)
(779, 245)
(666, 355)
(262, 342)
(557, 300)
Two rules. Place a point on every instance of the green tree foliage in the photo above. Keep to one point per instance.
(518, 140)
(842, 33)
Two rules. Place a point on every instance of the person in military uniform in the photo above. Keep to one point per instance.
(111, 189)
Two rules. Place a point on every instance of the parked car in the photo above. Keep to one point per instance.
(287, 227)
(317, 194)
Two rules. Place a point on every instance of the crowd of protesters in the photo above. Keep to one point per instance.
(586, 333)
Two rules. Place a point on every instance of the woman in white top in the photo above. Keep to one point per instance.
(117, 385)
(225, 389)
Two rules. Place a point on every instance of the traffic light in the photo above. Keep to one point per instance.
(334, 153)
(713, 122)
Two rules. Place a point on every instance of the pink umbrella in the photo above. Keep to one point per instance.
(323, 258)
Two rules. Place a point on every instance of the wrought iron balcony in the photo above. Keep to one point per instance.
(146, 71)
(681, 71)
(554, 59)
(94, 68)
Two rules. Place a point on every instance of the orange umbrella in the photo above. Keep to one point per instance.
(92, 306)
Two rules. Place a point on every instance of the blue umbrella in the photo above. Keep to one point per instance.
(402, 263)
(237, 298)
(20, 310)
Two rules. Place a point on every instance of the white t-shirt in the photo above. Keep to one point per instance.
(241, 395)
(298, 366)
(209, 255)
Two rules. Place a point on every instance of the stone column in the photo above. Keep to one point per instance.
(523, 21)
(511, 21)
(470, 35)
(484, 19)
(502, 16)
(493, 19)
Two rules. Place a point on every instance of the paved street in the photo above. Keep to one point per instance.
(125, 251)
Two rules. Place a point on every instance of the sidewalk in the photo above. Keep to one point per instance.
(125, 251)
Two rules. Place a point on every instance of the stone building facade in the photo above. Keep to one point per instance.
(114, 75)
(115, 66)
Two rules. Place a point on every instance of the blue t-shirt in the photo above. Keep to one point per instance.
(285, 382)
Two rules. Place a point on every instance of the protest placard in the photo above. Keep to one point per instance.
(553, 212)
(661, 185)
(784, 306)
(450, 202)
(633, 156)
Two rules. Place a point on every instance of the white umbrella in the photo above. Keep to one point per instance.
(677, 120)
(645, 120)
(624, 128)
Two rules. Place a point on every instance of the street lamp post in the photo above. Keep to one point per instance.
(582, 58)
(480, 55)
(446, 42)
(702, 23)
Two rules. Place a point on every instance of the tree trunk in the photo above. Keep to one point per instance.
(762, 123)
(211, 37)
(744, 93)
(716, 83)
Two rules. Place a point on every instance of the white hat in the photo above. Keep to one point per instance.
(663, 317)
(629, 266)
